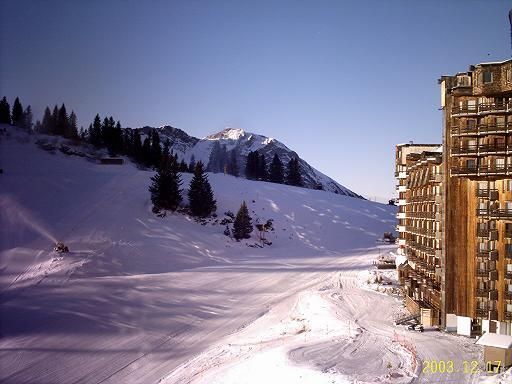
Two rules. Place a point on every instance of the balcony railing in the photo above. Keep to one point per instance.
(482, 312)
(494, 213)
(483, 272)
(482, 292)
(421, 215)
(482, 129)
(486, 192)
(482, 170)
(481, 149)
(480, 108)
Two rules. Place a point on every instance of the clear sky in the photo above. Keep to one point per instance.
(340, 82)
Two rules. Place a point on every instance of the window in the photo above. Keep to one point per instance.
(487, 77)
(471, 164)
(508, 75)
(471, 105)
(500, 121)
(471, 124)
(509, 185)
(500, 163)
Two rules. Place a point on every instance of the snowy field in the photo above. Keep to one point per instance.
(141, 299)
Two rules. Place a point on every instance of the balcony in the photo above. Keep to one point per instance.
(482, 312)
(508, 295)
(421, 215)
(481, 170)
(478, 109)
(483, 149)
(494, 213)
(482, 272)
(486, 193)
(508, 315)
(482, 129)
(482, 292)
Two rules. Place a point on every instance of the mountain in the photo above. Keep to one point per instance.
(244, 142)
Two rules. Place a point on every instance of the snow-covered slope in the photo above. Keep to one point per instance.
(244, 142)
(141, 299)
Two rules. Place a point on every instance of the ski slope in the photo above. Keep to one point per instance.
(142, 299)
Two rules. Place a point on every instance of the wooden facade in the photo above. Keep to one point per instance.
(477, 189)
(420, 227)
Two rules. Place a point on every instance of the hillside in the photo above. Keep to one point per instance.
(138, 295)
(243, 142)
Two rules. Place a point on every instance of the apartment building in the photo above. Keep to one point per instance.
(477, 162)
(418, 172)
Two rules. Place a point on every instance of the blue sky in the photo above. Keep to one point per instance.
(340, 82)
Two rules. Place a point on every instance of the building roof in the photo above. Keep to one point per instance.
(495, 340)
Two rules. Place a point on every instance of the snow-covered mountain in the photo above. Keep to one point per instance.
(244, 142)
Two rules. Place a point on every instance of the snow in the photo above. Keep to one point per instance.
(147, 299)
(495, 340)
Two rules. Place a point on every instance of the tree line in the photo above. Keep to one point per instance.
(256, 169)
(107, 133)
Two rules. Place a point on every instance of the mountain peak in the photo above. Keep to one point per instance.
(227, 134)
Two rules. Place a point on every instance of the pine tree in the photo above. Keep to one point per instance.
(146, 152)
(156, 149)
(72, 127)
(252, 165)
(17, 112)
(137, 146)
(38, 127)
(61, 125)
(165, 187)
(233, 163)
(192, 164)
(183, 166)
(106, 133)
(262, 167)
(55, 118)
(200, 193)
(215, 158)
(5, 111)
(117, 138)
(95, 132)
(293, 176)
(242, 227)
(276, 173)
(27, 119)
(46, 125)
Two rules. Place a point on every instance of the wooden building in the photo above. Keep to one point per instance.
(476, 281)
(420, 228)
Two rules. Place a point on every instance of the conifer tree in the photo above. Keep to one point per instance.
(146, 152)
(183, 166)
(27, 118)
(117, 138)
(293, 176)
(61, 125)
(200, 194)
(165, 187)
(46, 125)
(17, 112)
(252, 165)
(5, 111)
(95, 131)
(137, 146)
(156, 149)
(233, 163)
(215, 158)
(38, 126)
(72, 127)
(55, 118)
(262, 167)
(276, 173)
(192, 164)
(242, 227)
